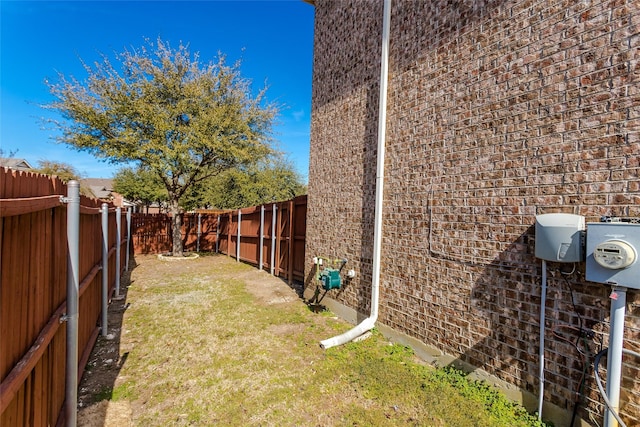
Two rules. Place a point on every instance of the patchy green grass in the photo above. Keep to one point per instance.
(205, 348)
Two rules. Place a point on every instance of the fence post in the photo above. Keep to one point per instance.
(261, 236)
(118, 243)
(129, 244)
(73, 280)
(229, 233)
(199, 232)
(291, 237)
(218, 235)
(239, 234)
(105, 266)
(273, 239)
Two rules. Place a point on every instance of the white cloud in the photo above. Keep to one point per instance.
(298, 115)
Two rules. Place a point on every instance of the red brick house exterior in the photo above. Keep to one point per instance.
(498, 111)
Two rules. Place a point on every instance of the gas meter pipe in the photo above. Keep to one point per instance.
(370, 321)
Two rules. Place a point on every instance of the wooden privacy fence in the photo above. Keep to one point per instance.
(270, 236)
(36, 272)
(152, 232)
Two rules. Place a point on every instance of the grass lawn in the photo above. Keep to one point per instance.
(212, 342)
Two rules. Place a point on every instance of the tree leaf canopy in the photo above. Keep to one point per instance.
(159, 108)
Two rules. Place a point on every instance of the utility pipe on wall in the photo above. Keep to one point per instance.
(370, 321)
(73, 295)
(614, 356)
(543, 301)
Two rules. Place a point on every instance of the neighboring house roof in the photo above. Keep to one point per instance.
(100, 187)
(12, 163)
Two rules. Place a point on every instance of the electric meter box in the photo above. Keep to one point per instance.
(559, 237)
(612, 253)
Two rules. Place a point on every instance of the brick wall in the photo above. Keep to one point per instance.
(498, 111)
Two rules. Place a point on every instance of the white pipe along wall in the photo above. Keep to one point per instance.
(368, 323)
(543, 302)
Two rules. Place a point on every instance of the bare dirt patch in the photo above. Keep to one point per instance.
(268, 289)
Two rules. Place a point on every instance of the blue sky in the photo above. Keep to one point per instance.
(274, 40)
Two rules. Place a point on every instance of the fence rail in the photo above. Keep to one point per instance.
(33, 294)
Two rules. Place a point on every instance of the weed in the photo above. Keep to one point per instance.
(105, 393)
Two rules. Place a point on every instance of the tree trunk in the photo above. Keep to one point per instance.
(176, 222)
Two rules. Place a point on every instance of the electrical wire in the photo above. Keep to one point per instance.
(573, 300)
(584, 356)
(581, 384)
(581, 333)
(596, 367)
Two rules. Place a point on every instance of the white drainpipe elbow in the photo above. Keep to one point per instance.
(363, 327)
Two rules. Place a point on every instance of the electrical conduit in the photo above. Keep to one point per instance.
(543, 302)
(614, 357)
(368, 323)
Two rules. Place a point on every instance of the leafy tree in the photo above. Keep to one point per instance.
(140, 185)
(65, 172)
(271, 181)
(62, 170)
(162, 110)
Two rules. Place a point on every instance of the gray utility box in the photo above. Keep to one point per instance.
(612, 253)
(559, 237)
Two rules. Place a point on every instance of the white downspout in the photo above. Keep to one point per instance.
(370, 321)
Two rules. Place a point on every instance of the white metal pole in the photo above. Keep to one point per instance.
(73, 283)
(261, 251)
(273, 239)
(239, 234)
(105, 267)
(199, 232)
(118, 244)
(129, 244)
(614, 354)
(218, 235)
